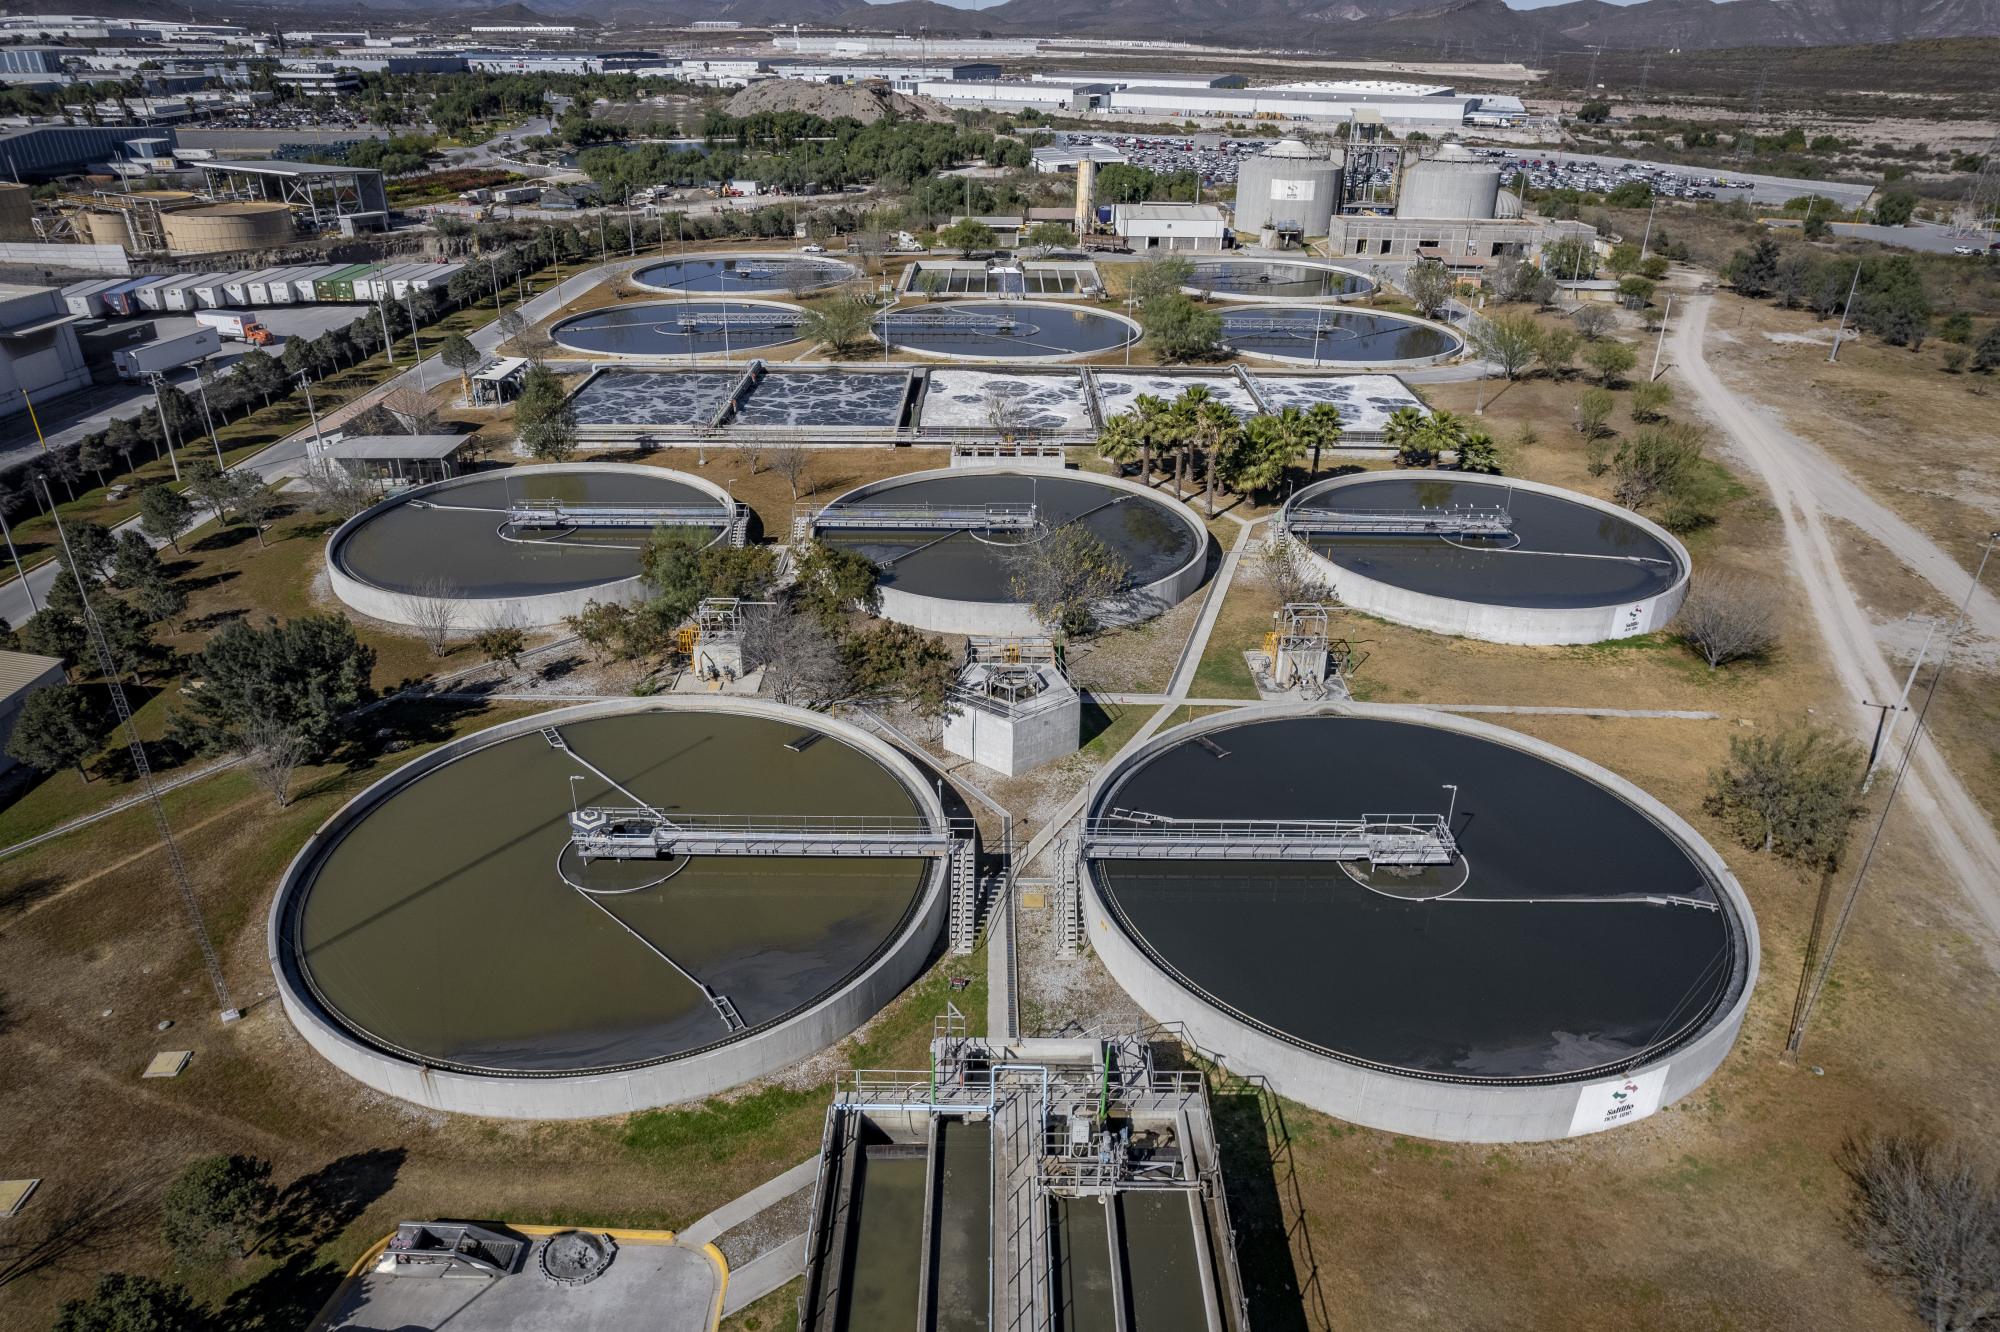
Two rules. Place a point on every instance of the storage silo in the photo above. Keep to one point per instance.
(225, 227)
(1289, 184)
(1452, 185)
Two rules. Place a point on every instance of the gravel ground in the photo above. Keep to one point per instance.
(765, 1231)
(1062, 996)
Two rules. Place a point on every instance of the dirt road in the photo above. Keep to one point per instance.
(1807, 488)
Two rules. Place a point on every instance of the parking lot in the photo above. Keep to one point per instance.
(1212, 155)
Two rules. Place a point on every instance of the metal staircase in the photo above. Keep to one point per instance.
(964, 895)
(1069, 898)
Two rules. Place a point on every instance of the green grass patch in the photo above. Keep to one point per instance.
(717, 1129)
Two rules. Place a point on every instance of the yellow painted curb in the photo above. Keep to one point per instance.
(368, 1256)
(721, 1281)
(374, 1251)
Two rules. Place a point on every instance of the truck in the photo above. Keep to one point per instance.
(235, 324)
(167, 354)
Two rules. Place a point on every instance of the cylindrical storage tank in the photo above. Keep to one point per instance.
(106, 229)
(224, 227)
(1452, 185)
(475, 963)
(17, 212)
(1289, 184)
(1421, 923)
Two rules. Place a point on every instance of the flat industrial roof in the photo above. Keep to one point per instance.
(396, 447)
(18, 670)
(277, 168)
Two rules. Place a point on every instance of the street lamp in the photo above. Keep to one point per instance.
(166, 434)
(1452, 809)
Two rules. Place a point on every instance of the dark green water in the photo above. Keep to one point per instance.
(1162, 1270)
(1083, 1275)
(961, 1254)
(438, 924)
(888, 1220)
(403, 548)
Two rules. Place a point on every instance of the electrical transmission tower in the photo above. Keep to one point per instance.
(114, 681)
(1747, 139)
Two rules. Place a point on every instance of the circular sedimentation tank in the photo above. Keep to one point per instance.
(1276, 280)
(691, 329)
(230, 226)
(746, 274)
(440, 939)
(1005, 331)
(962, 580)
(1337, 336)
(1508, 561)
(1583, 957)
(453, 540)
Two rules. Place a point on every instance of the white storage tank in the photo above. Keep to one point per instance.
(1289, 184)
(1453, 185)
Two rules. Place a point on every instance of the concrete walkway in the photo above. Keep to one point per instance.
(733, 1214)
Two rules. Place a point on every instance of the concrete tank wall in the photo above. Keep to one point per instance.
(1402, 1103)
(1283, 187)
(1447, 189)
(529, 612)
(589, 1095)
(1545, 626)
(228, 227)
(17, 212)
(1014, 619)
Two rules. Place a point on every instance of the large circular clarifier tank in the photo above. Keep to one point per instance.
(453, 540)
(439, 939)
(1567, 568)
(961, 581)
(1005, 330)
(746, 274)
(1275, 280)
(1337, 336)
(681, 329)
(1583, 958)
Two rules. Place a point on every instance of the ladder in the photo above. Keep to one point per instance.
(739, 526)
(724, 1009)
(964, 894)
(1069, 899)
(555, 738)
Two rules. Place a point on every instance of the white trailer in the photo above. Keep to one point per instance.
(305, 289)
(166, 354)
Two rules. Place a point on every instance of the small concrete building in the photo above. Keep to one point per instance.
(1013, 708)
(398, 460)
(39, 355)
(1171, 226)
(21, 674)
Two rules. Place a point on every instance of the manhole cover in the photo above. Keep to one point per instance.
(576, 1257)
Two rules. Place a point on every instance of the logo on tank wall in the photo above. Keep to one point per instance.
(1632, 619)
(1298, 191)
(1603, 1105)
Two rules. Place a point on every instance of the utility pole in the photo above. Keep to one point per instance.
(389, 338)
(201, 387)
(1645, 241)
(416, 346)
(318, 444)
(160, 413)
(114, 683)
(15, 555)
(1661, 345)
(1841, 332)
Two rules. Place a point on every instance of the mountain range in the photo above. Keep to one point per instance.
(1459, 27)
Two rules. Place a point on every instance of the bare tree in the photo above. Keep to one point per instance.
(418, 414)
(793, 461)
(799, 654)
(1003, 412)
(1064, 574)
(1292, 576)
(271, 753)
(1593, 321)
(331, 488)
(1728, 617)
(1927, 1216)
(434, 609)
(752, 453)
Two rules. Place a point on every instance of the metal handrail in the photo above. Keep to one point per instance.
(929, 517)
(1464, 522)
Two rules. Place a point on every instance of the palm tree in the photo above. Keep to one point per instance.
(1216, 430)
(1121, 439)
(1322, 429)
(1408, 433)
(1155, 425)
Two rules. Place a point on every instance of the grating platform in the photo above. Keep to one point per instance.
(927, 518)
(1401, 522)
(1380, 839)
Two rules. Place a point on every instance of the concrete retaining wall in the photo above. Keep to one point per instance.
(1014, 619)
(1396, 1103)
(587, 1095)
(1358, 367)
(739, 358)
(1525, 625)
(1132, 332)
(529, 612)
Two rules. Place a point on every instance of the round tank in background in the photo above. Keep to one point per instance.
(1289, 183)
(1453, 185)
(106, 229)
(224, 227)
(17, 212)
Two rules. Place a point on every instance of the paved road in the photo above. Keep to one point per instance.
(1809, 489)
(1923, 236)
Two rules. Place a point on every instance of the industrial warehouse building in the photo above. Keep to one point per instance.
(39, 356)
(1171, 226)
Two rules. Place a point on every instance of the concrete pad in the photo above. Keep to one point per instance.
(647, 1288)
(167, 1064)
(14, 1194)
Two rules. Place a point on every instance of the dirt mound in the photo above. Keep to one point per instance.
(832, 102)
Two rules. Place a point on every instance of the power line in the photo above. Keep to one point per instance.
(94, 631)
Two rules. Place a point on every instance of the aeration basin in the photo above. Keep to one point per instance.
(960, 579)
(664, 329)
(441, 939)
(459, 541)
(1004, 330)
(1275, 280)
(1337, 336)
(746, 274)
(1584, 957)
(1567, 568)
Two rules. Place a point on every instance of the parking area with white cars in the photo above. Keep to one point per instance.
(1212, 156)
(1598, 175)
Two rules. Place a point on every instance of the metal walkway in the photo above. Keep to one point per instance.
(1381, 839)
(534, 513)
(927, 518)
(607, 833)
(1400, 522)
(710, 323)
